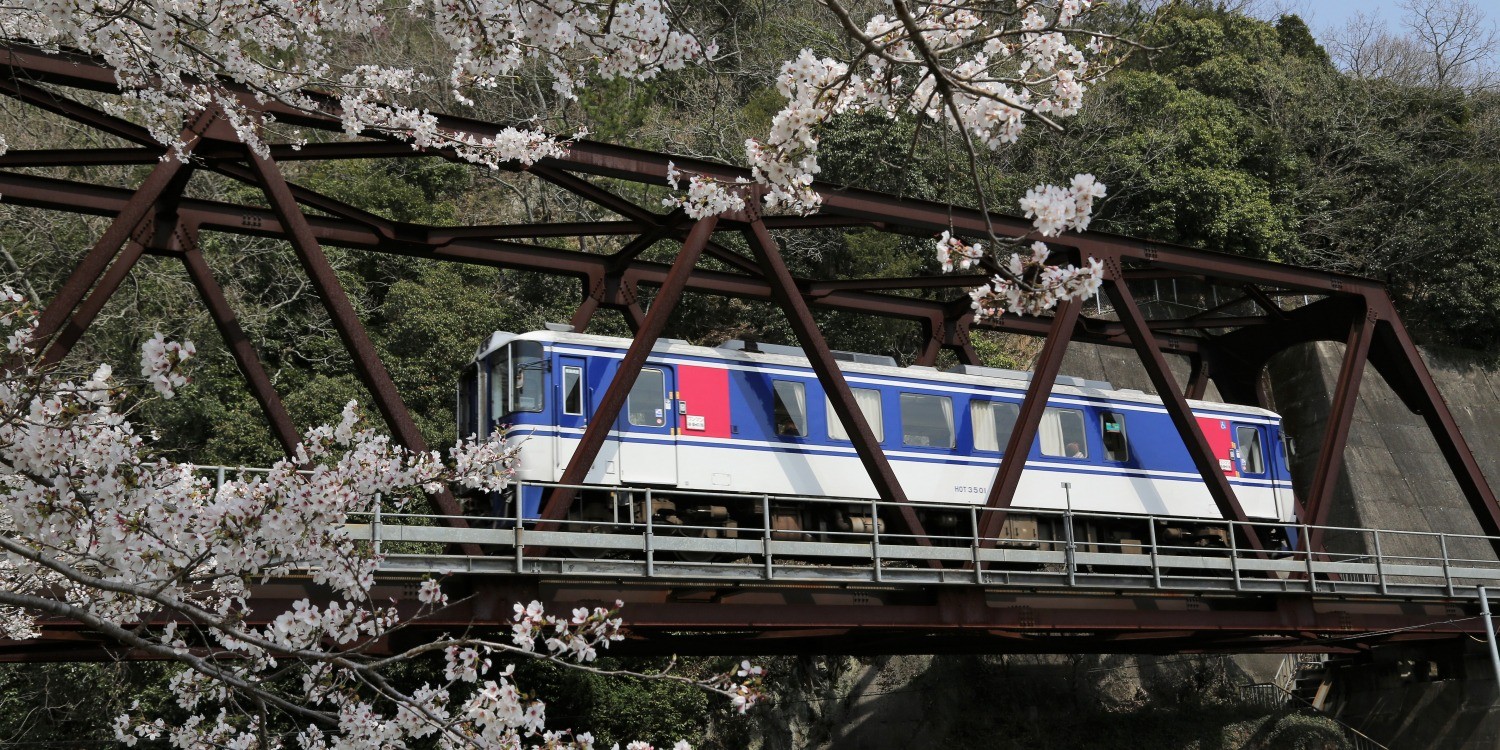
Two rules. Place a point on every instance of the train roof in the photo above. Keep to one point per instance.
(772, 354)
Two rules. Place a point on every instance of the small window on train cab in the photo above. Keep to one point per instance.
(1247, 442)
(1062, 433)
(1112, 431)
(993, 421)
(789, 415)
(926, 420)
(573, 390)
(468, 402)
(869, 404)
(647, 403)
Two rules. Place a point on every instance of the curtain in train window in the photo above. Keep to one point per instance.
(926, 420)
(573, 390)
(790, 412)
(648, 399)
(993, 422)
(1247, 441)
(869, 404)
(1062, 433)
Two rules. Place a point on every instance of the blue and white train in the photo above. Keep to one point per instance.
(743, 420)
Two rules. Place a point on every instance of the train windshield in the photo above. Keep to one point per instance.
(516, 378)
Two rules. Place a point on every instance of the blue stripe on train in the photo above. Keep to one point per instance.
(1030, 466)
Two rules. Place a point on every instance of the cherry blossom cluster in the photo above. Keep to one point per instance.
(1053, 209)
(980, 70)
(1031, 286)
(161, 364)
(176, 60)
(953, 252)
(96, 528)
(1026, 285)
(705, 197)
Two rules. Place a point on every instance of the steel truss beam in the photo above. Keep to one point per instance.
(1227, 351)
(706, 620)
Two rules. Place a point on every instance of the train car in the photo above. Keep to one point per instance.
(744, 420)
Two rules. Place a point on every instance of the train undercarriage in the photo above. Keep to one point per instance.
(730, 516)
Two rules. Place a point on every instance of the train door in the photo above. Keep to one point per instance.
(647, 427)
(574, 401)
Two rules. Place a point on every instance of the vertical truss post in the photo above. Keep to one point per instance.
(960, 335)
(592, 294)
(168, 175)
(932, 334)
(1172, 398)
(635, 318)
(1340, 416)
(608, 409)
(1028, 420)
(361, 349)
(239, 345)
(789, 297)
(1402, 365)
(1198, 376)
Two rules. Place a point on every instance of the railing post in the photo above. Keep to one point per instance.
(650, 535)
(1380, 565)
(765, 515)
(219, 480)
(1070, 549)
(974, 526)
(875, 538)
(1489, 630)
(520, 544)
(1312, 578)
(375, 527)
(1234, 558)
(1155, 560)
(1447, 574)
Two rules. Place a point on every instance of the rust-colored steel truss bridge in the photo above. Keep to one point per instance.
(1225, 345)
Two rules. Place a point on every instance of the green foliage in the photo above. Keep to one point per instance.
(619, 710)
(73, 705)
(1305, 732)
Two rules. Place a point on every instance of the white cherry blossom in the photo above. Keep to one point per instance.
(152, 556)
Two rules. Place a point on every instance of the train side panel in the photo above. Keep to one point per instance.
(725, 421)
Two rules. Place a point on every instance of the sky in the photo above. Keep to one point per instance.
(1325, 17)
(1322, 15)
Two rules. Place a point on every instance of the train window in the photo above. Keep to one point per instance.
(573, 390)
(869, 403)
(516, 378)
(1247, 442)
(648, 399)
(926, 420)
(1112, 430)
(468, 403)
(790, 411)
(527, 369)
(499, 385)
(993, 422)
(1062, 433)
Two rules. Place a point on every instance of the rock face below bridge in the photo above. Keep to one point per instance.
(1394, 477)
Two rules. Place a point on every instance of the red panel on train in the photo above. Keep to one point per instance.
(705, 390)
(1220, 443)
